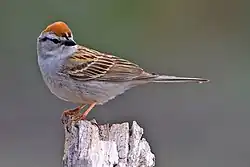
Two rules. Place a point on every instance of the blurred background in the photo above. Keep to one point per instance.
(189, 125)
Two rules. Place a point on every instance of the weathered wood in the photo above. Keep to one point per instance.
(90, 145)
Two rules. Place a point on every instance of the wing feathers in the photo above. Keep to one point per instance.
(87, 64)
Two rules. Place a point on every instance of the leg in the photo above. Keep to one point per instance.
(87, 111)
(83, 116)
(72, 112)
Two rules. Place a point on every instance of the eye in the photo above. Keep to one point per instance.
(44, 39)
(56, 41)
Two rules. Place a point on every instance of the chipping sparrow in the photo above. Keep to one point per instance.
(85, 76)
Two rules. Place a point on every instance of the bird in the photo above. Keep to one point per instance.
(88, 77)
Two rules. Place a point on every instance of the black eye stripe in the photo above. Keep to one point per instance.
(44, 39)
(69, 43)
(56, 41)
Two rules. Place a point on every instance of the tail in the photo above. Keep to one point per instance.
(174, 79)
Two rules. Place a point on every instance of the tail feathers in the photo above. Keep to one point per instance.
(174, 79)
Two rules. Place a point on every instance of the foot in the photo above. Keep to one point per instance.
(78, 116)
(72, 113)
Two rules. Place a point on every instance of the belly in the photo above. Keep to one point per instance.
(67, 90)
(85, 92)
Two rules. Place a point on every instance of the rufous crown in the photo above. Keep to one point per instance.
(60, 28)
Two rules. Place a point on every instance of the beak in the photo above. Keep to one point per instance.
(69, 42)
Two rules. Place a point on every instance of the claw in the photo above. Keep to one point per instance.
(72, 113)
(75, 114)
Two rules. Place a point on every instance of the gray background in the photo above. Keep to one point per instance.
(189, 125)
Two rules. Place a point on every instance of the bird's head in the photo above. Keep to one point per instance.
(55, 38)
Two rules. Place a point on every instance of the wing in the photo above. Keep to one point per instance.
(87, 64)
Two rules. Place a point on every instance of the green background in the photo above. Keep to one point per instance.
(187, 125)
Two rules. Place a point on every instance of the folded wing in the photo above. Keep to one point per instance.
(87, 64)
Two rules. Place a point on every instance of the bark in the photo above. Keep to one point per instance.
(90, 145)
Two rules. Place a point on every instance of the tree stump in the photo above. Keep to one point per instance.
(88, 144)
